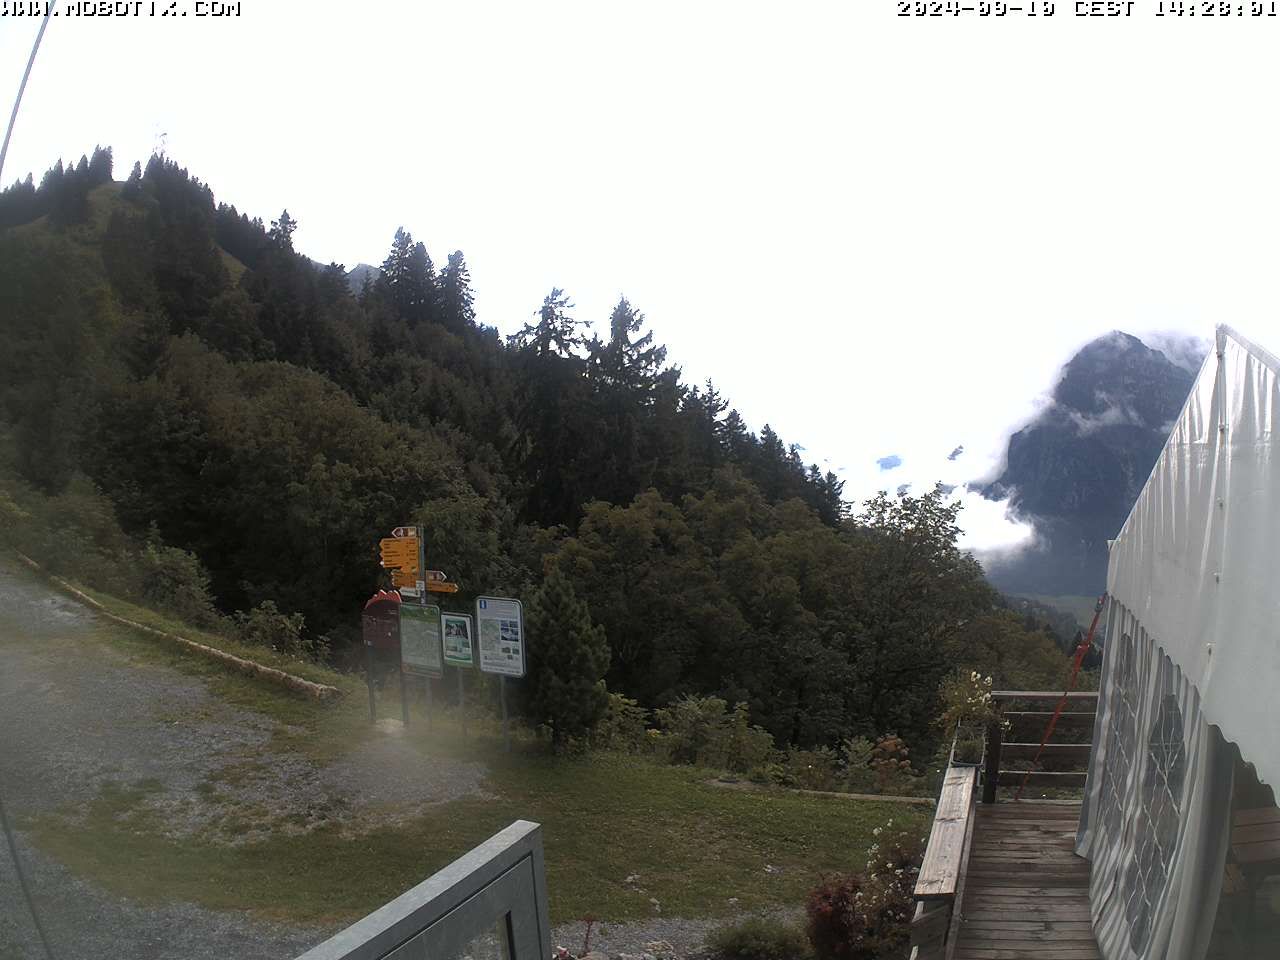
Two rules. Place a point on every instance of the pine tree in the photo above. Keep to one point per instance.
(568, 658)
(456, 299)
(630, 364)
(409, 279)
(281, 234)
(133, 186)
(100, 166)
(556, 331)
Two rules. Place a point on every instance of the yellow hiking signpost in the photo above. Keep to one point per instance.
(420, 627)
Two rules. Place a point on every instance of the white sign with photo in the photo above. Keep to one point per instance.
(500, 625)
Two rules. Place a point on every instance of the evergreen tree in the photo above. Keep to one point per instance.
(409, 279)
(555, 332)
(100, 166)
(456, 300)
(568, 658)
(133, 186)
(281, 234)
(624, 362)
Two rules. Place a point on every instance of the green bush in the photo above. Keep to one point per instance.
(623, 726)
(175, 581)
(266, 626)
(810, 769)
(702, 731)
(758, 939)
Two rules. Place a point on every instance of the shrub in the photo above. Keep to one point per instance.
(174, 580)
(623, 726)
(758, 939)
(867, 915)
(855, 757)
(700, 730)
(810, 769)
(266, 626)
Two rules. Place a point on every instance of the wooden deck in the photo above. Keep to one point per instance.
(1026, 893)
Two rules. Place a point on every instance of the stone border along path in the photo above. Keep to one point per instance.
(887, 798)
(317, 691)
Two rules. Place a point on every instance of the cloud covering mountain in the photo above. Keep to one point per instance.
(1074, 471)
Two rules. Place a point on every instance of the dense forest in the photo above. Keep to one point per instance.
(181, 387)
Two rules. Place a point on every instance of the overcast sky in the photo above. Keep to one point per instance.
(882, 234)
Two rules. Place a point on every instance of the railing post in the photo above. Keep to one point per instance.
(991, 773)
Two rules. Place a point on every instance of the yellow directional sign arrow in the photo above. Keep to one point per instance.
(441, 586)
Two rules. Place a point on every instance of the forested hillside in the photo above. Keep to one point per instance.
(192, 409)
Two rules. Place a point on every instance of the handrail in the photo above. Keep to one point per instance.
(1081, 717)
(940, 883)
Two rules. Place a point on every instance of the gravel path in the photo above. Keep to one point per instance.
(77, 715)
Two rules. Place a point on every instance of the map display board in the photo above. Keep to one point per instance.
(500, 625)
(457, 639)
(420, 639)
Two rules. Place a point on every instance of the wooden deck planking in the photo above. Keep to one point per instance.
(1027, 894)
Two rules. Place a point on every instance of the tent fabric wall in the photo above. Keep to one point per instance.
(1193, 657)
(1157, 805)
(1195, 562)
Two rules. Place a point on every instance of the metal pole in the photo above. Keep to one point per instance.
(429, 704)
(22, 87)
(991, 776)
(368, 676)
(404, 698)
(462, 703)
(502, 696)
(22, 882)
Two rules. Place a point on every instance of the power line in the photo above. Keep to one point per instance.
(22, 881)
(26, 74)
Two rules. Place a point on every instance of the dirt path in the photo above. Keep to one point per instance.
(78, 715)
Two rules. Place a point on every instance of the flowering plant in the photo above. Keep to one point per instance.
(867, 915)
(968, 708)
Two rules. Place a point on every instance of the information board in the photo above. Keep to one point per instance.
(457, 639)
(500, 626)
(420, 639)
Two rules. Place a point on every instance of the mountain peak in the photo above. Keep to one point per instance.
(1073, 473)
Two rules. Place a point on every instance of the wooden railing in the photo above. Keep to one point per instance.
(940, 884)
(939, 892)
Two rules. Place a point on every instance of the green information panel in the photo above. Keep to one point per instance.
(420, 639)
(457, 639)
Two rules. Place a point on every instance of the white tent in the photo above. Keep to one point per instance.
(1192, 664)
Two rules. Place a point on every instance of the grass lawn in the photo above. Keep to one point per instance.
(605, 817)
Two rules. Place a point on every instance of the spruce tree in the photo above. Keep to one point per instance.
(568, 658)
(133, 186)
(457, 308)
(556, 331)
(409, 279)
(281, 234)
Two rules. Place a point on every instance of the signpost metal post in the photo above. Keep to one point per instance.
(368, 678)
(502, 696)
